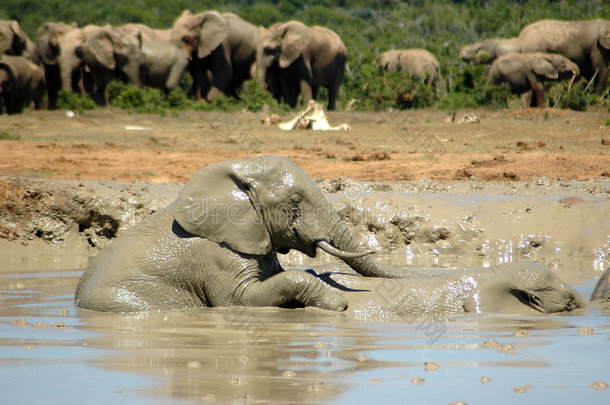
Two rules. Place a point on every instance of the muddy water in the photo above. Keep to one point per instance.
(51, 352)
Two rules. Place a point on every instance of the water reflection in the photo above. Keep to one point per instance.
(232, 355)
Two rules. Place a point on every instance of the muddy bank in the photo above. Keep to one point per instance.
(422, 223)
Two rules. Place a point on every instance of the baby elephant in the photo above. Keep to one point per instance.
(21, 83)
(418, 64)
(525, 73)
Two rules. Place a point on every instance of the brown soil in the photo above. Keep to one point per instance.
(390, 146)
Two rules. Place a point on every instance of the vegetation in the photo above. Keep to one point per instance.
(367, 27)
(6, 135)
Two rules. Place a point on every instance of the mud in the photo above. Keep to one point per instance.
(50, 228)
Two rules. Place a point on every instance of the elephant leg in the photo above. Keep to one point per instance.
(526, 99)
(538, 92)
(333, 88)
(290, 286)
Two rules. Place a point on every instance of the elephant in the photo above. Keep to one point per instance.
(21, 83)
(222, 51)
(217, 245)
(488, 50)
(145, 32)
(111, 54)
(586, 43)
(525, 73)
(294, 59)
(419, 64)
(13, 40)
(162, 65)
(59, 49)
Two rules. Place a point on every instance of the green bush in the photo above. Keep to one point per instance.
(6, 135)
(578, 98)
(68, 100)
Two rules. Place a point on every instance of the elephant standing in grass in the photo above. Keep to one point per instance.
(59, 48)
(525, 73)
(488, 50)
(418, 64)
(586, 43)
(163, 65)
(221, 48)
(217, 245)
(111, 54)
(294, 59)
(21, 83)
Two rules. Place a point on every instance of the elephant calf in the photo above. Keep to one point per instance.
(525, 73)
(419, 64)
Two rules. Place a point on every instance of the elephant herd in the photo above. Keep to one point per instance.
(222, 52)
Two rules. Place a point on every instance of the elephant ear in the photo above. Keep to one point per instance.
(100, 45)
(217, 203)
(542, 67)
(295, 40)
(604, 39)
(214, 30)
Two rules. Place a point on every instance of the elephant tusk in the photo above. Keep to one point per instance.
(331, 250)
(571, 80)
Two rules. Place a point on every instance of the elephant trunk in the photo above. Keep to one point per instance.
(349, 250)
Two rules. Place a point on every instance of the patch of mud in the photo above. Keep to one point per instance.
(425, 220)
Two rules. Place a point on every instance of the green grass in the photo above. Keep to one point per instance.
(6, 135)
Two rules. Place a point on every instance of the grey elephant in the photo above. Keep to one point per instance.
(294, 59)
(586, 43)
(488, 50)
(418, 64)
(162, 65)
(21, 84)
(217, 245)
(59, 50)
(222, 51)
(13, 40)
(111, 55)
(525, 73)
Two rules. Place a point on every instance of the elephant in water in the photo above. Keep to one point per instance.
(525, 73)
(217, 245)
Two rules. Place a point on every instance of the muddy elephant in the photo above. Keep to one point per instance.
(59, 50)
(525, 73)
(111, 55)
(586, 43)
(222, 51)
(488, 50)
(418, 64)
(294, 59)
(21, 84)
(13, 40)
(217, 245)
(162, 65)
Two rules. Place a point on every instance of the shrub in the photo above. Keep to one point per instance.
(578, 98)
(68, 100)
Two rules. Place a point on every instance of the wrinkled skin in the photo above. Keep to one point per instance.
(586, 43)
(217, 245)
(488, 50)
(59, 50)
(111, 54)
(525, 73)
(162, 65)
(21, 84)
(601, 294)
(221, 50)
(418, 64)
(293, 59)
(13, 40)
(513, 288)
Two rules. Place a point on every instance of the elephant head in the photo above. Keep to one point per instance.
(554, 66)
(488, 50)
(13, 40)
(199, 34)
(48, 40)
(118, 54)
(264, 204)
(281, 44)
